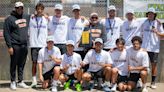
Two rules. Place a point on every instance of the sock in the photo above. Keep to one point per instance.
(54, 83)
(34, 78)
(114, 84)
(153, 79)
(143, 85)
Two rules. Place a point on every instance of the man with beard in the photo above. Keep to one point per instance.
(16, 37)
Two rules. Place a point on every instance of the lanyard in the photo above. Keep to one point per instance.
(111, 26)
(97, 59)
(38, 25)
(97, 56)
(48, 54)
(69, 60)
(151, 24)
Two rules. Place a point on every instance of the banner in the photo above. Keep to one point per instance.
(140, 7)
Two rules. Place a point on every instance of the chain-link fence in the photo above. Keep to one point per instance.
(100, 6)
(6, 6)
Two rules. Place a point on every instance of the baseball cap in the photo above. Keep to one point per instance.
(59, 7)
(93, 14)
(70, 42)
(99, 40)
(111, 7)
(151, 9)
(75, 6)
(130, 11)
(19, 4)
(50, 38)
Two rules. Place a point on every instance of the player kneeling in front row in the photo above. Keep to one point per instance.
(138, 64)
(120, 66)
(70, 67)
(49, 59)
(100, 64)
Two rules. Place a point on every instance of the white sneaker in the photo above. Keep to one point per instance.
(153, 86)
(13, 85)
(139, 84)
(144, 89)
(22, 85)
(107, 83)
(54, 86)
(54, 89)
(34, 83)
(114, 87)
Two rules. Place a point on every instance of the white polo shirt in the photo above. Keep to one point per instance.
(112, 35)
(151, 41)
(94, 59)
(44, 58)
(58, 27)
(137, 58)
(120, 62)
(73, 62)
(75, 29)
(38, 31)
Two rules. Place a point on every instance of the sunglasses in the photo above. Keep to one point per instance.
(18, 7)
(94, 17)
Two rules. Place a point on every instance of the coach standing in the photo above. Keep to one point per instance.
(16, 37)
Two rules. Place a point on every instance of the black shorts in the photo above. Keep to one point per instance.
(48, 75)
(134, 77)
(122, 79)
(153, 57)
(85, 68)
(34, 54)
(72, 77)
(96, 75)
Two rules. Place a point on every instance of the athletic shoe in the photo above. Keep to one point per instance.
(91, 86)
(139, 83)
(13, 85)
(34, 84)
(22, 85)
(54, 89)
(144, 89)
(78, 87)
(106, 88)
(153, 86)
(67, 85)
(85, 84)
(114, 87)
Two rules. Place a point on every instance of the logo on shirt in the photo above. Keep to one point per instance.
(58, 23)
(76, 28)
(119, 60)
(134, 59)
(108, 28)
(21, 23)
(41, 26)
(131, 28)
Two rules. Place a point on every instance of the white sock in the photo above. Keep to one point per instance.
(54, 82)
(143, 85)
(34, 78)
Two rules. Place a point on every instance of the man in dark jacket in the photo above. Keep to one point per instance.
(16, 37)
